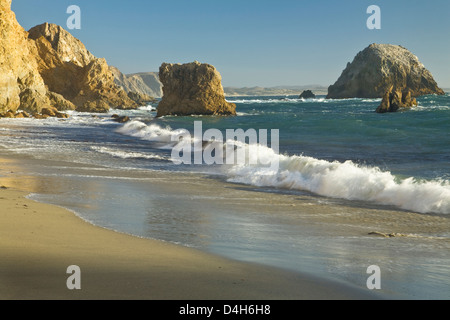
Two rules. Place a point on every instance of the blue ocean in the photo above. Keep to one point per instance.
(337, 148)
(338, 157)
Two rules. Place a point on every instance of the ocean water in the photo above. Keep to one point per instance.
(337, 148)
(333, 153)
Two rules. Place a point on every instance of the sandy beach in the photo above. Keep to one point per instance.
(136, 169)
(39, 241)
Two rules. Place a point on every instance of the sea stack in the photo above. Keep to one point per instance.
(380, 67)
(192, 89)
(395, 100)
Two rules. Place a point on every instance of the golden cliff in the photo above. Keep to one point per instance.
(48, 67)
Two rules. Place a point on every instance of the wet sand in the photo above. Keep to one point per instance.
(39, 241)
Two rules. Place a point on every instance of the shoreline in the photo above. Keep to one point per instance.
(39, 241)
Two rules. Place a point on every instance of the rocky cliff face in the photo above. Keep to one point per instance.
(48, 67)
(146, 83)
(192, 89)
(21, 85)
(70, 70)
(378, 68)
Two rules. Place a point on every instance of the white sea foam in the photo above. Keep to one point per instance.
(296, 100)
(430, 108)
(345, 180)
(127, 155)
(147, 108)
(151, 132)
(277, 100)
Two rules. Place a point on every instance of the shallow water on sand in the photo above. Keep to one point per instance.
(295, 231)
(344, 172)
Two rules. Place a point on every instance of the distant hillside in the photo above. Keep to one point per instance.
(144, 83)
(148, 83)
(274, 91)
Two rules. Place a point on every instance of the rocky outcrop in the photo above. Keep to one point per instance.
(21, 85)
(12, 114)
(52, 112)
(141, 99)
(146, 83)
(192, 89)
(307, 94)
(48, 67)
(71, 71)
(120, 119)
(45, 113)
(394, 100)
(378, 68)
(58, 102)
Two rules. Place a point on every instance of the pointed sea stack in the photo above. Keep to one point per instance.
(192, 89)
(380, 67)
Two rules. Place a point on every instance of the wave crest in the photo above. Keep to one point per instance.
(343, 180)
(348, 181)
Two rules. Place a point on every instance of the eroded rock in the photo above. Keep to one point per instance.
(394, 100)
(378, 68)
(192, 89)
(71, 71)
(307, 94)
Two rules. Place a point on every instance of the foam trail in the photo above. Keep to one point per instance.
(331, 179)
(346, 181)
(152, 132)
(127, 155)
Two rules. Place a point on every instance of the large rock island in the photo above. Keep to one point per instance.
(379, 68)
(192, 89)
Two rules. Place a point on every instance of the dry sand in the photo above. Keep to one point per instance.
(39, 241)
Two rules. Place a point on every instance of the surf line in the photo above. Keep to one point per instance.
(239, 147)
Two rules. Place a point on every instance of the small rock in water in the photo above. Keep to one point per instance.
(122, 119)
(387, 235)
(307, 94)
(393, 100)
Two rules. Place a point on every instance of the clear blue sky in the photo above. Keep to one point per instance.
(251, 42)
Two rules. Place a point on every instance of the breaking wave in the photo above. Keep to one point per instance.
(347, 180)
(297, 100)
(151, 132)
(343, 180)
